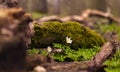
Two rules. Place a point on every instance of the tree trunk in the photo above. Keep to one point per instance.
(56, 6)
(98, 4)
(39, 5)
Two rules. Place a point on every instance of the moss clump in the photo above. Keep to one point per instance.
(56, 32)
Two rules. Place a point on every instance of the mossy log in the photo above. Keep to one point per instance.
(56, 32)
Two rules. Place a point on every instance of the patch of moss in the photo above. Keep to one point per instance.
(56, 32)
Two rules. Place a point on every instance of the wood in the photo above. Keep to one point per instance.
(82, 18)
(15, 36)
(107, 51)
(97, 13)
(100, 57)
(94, 65)
(8, 4)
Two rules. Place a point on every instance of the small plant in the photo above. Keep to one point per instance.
(69, 54)
(37, 51)
(62, 52)
(114, 63)
(33, 51)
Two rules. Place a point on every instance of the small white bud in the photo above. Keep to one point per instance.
(49, 49)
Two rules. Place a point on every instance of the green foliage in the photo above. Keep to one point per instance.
(110, 28)
(33, 51)
(114, 63)
(43, 52)
(37, 51)
(69, 54)
(56, 32)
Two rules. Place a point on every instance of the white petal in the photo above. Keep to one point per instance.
(49, 49)
(68, 40)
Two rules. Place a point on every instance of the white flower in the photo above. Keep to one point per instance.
(49, 49)
(68, 40)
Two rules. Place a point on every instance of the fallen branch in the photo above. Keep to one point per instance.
(94, 65)
(96, 13)
(82, 18)
(106, 52)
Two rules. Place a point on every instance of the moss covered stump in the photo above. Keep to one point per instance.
(56, 32)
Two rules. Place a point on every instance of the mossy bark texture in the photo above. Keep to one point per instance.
(56, 32)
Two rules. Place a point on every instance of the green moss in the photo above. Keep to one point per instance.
(113, 65)
(56, 32)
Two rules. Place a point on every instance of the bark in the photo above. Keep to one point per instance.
(56, 7)
(39, 5)
(107, 51)
(82, 18)
(97, 13)
(15, 34)
(99, 5)
(94, 65)
(9, 3)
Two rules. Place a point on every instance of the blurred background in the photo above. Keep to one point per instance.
(69, 7)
